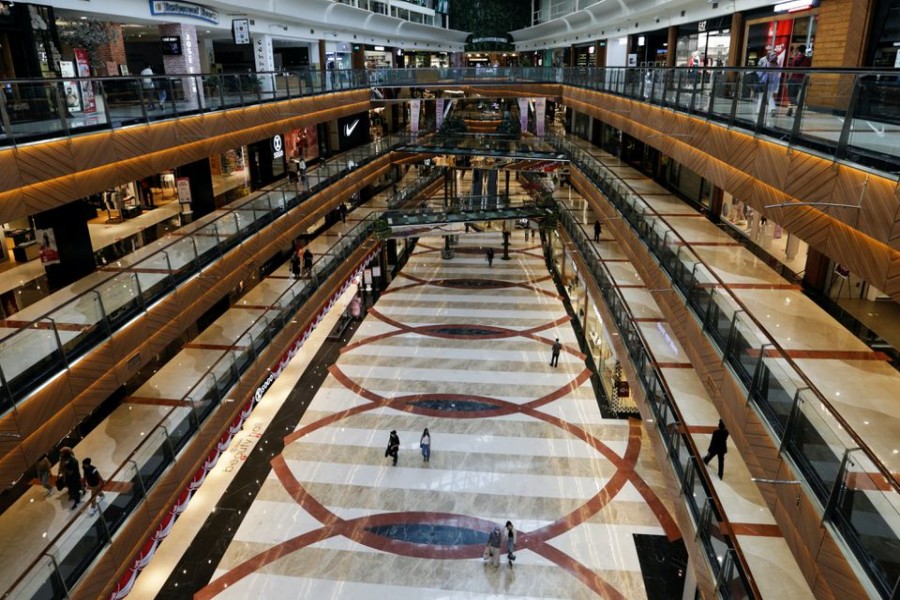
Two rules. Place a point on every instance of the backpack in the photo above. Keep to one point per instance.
(92, 475)
(494, 539)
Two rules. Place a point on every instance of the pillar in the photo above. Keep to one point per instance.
(207, 55)
(187, 63)
(264, 61)
(792, 246)
(358, 57)
(815, 275)
(323, 56)
(200, 182)
(65, 229)
(111, 54)
(841, 37)
(736, 49)
(672, 43)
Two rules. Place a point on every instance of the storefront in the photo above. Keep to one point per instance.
(267, 161)
(704, 44)
(649, 49)
(782, 31)
(230, 175)
(787, 249)
(884, 45)
(378, 57)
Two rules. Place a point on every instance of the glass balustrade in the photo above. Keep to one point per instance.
(843, 114)
(76, 547)
(682, 455)
(803, 422)
(32, 355)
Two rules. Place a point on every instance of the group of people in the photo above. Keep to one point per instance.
(73, 478)
(306, 256)
(769, 78)
(492, 549)
(393, 446)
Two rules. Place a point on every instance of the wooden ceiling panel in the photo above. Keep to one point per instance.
(808, 178)
(770, 164)
(41, 162)
(93, 151)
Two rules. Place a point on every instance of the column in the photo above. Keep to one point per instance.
(64, 229)
(189, 62)
(200, 183)
(207, 55)
(264, 61)
(112, 53)
(792, 246)
(673, 43)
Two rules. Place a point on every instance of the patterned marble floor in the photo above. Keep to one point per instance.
(463, 349)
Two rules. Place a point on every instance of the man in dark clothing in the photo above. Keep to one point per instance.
(393, 447)
(307, 262)
(717, 447)
(71, 473)
(597, 230)
(554, 356)
(490, 257)
(295, 265)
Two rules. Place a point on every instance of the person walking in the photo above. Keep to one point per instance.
(71, 474)
(490, 256)
(425, 445)
(94, 483)
(295, 265)
(43, 467)
(307, 262)
(598, 229)
(393, 447)
(492, 548)
(510, 543)
(148, 86)
(342, 209)
(554, 353)
(718, 447)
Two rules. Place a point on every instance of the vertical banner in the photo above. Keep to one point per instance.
(49, 249)
(70, 87)
(264, 60)
(83, 67)
(523, 114)
(540, 111)
(415, 106)
(439, 113)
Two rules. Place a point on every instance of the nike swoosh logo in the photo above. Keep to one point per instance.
(348, 129)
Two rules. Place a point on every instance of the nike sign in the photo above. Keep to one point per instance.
(348, 129)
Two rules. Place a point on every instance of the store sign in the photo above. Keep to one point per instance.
(167, 8)
(793, 6)
(277, 146)
(240, 31)
(183, 188)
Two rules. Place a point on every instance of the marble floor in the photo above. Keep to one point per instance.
(462, 348)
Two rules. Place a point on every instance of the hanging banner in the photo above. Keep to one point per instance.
(83, 66)
(415, 106)
(439, 112)
(523, 114)
(540, 111)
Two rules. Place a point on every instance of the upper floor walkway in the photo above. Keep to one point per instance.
(841, 114)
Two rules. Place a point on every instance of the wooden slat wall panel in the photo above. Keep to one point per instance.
(41, 176)
(131, 538)
(762, 173)
(51, 413)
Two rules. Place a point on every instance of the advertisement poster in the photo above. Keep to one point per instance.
(415, 107)
(302, 143)
(87, 90)
(49, 249)
(540, 112)
(439, 112)
(183, 187)
(70, 88)
(523, 114)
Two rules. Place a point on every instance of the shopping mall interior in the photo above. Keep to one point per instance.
(450, 298)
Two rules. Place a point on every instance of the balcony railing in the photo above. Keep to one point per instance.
(69, 555)
(858, 495)
(710, 526)
(46, 344)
